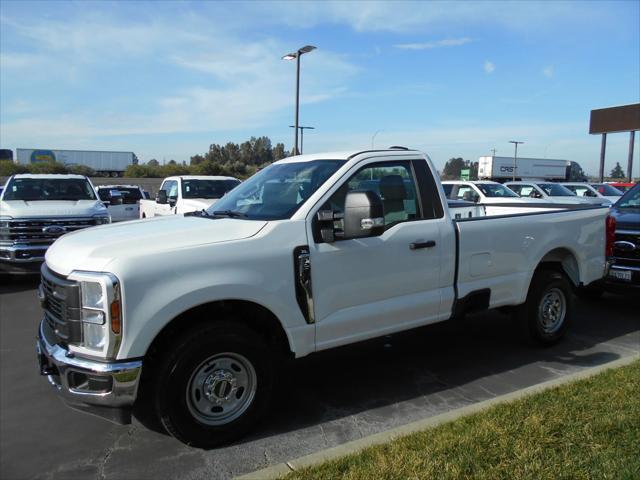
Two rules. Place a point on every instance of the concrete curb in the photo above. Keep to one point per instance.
(281, 469)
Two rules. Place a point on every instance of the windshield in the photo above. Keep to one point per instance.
(495, 190)
(606, 190)
(30, 189)
(277, 191)
(130, 195)
(555, 190)
(207, 188)
(631, 199)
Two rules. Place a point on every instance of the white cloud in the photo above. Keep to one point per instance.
(448, 42)
(548, 71)
(411, 16)
(489, 67)
(245, 82)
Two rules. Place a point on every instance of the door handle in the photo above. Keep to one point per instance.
(417, 245)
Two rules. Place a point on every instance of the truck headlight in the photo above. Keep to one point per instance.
(100, 314)
(4, 221)
(102, 218)
(5, 238)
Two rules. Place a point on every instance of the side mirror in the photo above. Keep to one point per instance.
(115, 197)
(161, 197)
(363, 215)
(172, 201)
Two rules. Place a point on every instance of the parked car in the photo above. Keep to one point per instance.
(624, 269)
(587, 192)
(492, 195)
(622, 186)
(123, 201)
(35, 210)
(608, 191)
(548, 191)
(187, 193)
(188, 317)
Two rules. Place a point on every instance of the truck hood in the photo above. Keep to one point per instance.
(94, 248)
(627, 218)
(193, 204)
(51, 208)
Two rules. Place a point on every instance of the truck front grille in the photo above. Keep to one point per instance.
(61, 303)
(40, 231)
(624, 251)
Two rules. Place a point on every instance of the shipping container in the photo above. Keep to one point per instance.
(103, 162)
(501, 169)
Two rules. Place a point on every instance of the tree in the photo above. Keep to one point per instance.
(153, 163)
(617, 171)
(451, 170)
(196, 160)
(279, 152)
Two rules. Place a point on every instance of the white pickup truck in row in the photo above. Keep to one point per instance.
(188, 317)
(186, 193)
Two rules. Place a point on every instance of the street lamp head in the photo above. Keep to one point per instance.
(301, 51)
(306, 49)
(290, 56)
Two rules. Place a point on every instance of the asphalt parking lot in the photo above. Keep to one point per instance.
(329, 398)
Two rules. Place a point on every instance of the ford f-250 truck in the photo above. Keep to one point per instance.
(37, 209)
(186, 193)
(189, 316)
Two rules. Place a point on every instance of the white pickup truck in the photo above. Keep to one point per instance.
(187, 193)
(122, 201)
(37, 209)
(188, 317)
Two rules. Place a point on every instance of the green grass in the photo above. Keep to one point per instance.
(589, 429)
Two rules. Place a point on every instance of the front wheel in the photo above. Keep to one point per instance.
(214, 385)
(546, 314)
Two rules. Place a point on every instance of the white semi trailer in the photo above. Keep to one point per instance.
(501, 169)
(103, 162)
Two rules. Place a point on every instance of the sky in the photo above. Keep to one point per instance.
(166, 79)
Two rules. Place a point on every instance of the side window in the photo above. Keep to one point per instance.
(466, 193)
(519, 189)
(172, 189)
(447, 189)
(393, 182)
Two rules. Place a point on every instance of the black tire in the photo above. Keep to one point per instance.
(173, 392)
(549, 291)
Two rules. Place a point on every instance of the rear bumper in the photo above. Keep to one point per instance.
(105, 389)
(618, 284)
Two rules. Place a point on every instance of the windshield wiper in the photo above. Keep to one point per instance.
(229, 213)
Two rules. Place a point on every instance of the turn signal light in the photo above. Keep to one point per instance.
(116, 322)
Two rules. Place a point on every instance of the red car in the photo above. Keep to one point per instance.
(622, 186)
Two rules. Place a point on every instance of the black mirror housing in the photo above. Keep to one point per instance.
(161, 197)
(363, 214)
(115, 197)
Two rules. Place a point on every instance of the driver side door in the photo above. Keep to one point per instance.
(367, 287)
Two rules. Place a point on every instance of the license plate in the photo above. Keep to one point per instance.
(621, 275)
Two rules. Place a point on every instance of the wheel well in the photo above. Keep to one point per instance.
(249, 314)
(563, 260)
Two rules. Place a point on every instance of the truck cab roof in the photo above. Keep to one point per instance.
(345, 155)
(47, 175)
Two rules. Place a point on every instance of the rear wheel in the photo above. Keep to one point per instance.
(214, 385)
(546, 315)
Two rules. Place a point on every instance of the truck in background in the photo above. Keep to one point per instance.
(35, 210)
(501, 169)
(103, 162)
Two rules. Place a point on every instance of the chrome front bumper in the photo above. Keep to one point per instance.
(107, 390)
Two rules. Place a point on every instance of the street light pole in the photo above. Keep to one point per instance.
(515, 157)
(302, 129)
(291, 56)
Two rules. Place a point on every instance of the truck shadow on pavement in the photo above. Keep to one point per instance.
(368, 387)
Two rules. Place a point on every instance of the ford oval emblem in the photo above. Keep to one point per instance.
(625, 246)
(54, 229)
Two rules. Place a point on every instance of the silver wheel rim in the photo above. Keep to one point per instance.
(221, 388)
(552, 311)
